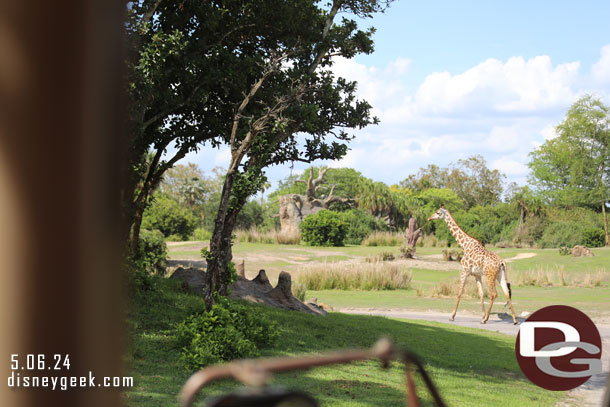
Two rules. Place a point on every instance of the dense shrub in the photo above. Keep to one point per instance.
(325, 228)
(170, 218)
(202, 234)
(251, 216)
(561, 233)
(360, 224)
(149, 260)
(594, 238)
(230, 330)
(152, 254)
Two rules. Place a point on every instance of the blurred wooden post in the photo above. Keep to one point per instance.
(60, 135)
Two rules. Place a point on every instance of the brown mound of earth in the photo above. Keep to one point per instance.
(258, 290)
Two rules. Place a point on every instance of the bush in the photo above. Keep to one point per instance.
(408, 252)
(149, 260)
(360, 224)
(170, 218)
(383, 256)
(453, 254)
(229, 331)
(202, 234)
(152, 254)
(325, 228)
(594, 238)
(564, 251)
(558, 234)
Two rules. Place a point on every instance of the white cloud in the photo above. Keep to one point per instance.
(223, 157)
(548, 132)
(600, 71)
(501, 110)
(517, 86)
(510, 167)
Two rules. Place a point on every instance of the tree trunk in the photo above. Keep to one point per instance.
(412, 234)
(220, 245)
(521, 218)
(605, 223)
(136, 224)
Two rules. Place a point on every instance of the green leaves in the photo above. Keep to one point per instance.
(324, 228)
(574, 168)
(228, 331)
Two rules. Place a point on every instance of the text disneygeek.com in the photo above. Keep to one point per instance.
(39, 362)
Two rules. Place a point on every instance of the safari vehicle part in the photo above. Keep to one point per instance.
(257, 373)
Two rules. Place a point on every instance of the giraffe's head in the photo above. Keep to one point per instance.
(441, 213)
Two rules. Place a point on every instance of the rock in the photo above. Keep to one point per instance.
(262, 280)
(258, 290)
(241, 269)
(192, 277)
(326, 307)
(581, 251)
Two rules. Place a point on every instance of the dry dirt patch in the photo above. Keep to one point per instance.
(522, 256)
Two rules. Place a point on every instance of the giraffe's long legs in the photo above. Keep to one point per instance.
(491, 281)
(459, 295)
(504, 285)
(480, 287)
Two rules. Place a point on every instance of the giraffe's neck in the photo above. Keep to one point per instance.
(465, 241)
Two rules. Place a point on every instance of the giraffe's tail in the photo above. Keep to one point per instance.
(504, 276)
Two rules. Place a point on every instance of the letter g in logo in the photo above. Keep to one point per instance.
(558, 348)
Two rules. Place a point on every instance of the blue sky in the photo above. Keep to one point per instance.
(452, 79)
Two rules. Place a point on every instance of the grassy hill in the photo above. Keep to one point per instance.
(470, 367)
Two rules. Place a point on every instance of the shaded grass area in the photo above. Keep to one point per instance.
(470, 367)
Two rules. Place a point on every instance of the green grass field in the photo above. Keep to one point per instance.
(546, 262)
(470, 367)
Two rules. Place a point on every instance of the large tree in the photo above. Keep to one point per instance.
(293, 92)
(469, 178)
(180, 83)
(573, 169)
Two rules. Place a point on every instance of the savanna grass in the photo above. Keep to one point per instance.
(271, 237)
(383, 239)
(354, 276)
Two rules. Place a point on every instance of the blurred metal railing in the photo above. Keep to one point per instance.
(257, 372)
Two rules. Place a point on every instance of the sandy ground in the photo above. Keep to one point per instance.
(521, 256)
(590, 394)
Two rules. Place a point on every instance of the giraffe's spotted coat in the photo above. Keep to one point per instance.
(479, 263)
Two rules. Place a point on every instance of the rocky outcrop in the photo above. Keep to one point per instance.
(258, 290)
(581, 251)
(294, 207)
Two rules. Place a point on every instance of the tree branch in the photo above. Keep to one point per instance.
(173, 109)
(146, 17)
(329, 22)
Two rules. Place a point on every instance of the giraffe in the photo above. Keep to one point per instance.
(477, 262)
